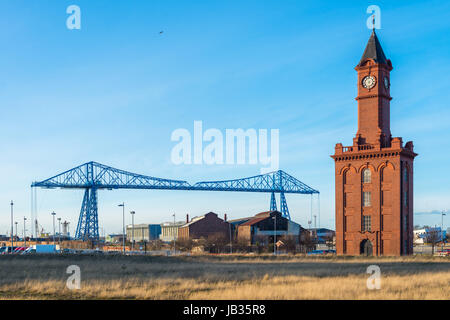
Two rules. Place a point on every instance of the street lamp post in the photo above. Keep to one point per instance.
(231, 239)
(275, 235)
(24, 231)
(123, 225)
(54, 214)
(12, 225)
(315, 227)
(174, 231)
(59, 230)
(17, 234)
(132, 229)
(442, 229)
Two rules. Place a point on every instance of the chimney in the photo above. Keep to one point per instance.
(187, 218)
(225, 217)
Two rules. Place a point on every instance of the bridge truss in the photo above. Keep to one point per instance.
(93, 176)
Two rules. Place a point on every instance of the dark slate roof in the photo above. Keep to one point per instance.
(373, 51)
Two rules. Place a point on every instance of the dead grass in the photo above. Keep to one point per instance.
(223, 277)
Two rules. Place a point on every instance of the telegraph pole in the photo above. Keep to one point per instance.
(12, 226)
(174, 240)
(17, 234)
(132, 229)
(53, 214)
(442, 229)
(275, 235)
(59, 230)
(123, 225)
(231, 239)
(315, 227)
(24, 230)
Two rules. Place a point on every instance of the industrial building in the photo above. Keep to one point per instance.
(264, 226)
(143, 232)
(205, 226)
(114, 238)
(322, 235)
(428, 235)
(169, 231)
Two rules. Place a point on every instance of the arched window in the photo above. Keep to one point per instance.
(367, 175)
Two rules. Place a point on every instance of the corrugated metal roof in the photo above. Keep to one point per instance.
(195, 219)
(259, 217)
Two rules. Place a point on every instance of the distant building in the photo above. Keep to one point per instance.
(114, 238)
(169, 231)
(322, 234)
(205, 226)
(422, 236)
(235, 223)
(143, 232)
(262, 228)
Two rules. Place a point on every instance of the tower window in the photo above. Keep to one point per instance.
(367, 223)
(405, 198)
(367, 176)
(366, 199)
(405, 174)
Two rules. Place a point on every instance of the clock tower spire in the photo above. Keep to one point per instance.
(373, 96)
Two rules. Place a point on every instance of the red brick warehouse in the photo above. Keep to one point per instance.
(374, 176)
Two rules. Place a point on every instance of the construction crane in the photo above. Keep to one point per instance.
(93, 176)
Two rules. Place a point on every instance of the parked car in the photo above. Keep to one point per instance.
(29, 250)
(69, 251)
(7, 250)
(443, 253)
(20, 249)
(315, 252)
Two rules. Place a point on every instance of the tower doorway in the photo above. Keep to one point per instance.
(366, 248)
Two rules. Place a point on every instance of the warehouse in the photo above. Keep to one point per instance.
(264, 226)
(169, 231)
(206, 226)
(143, 232)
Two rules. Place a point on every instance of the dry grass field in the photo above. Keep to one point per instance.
(223, 277)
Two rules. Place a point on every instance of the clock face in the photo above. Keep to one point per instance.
(369, 82)
(386, 82)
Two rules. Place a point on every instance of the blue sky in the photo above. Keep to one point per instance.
(114, 91)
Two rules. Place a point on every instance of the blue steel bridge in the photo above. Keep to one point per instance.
(93, 176)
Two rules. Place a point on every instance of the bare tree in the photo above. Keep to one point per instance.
(184, 244)
(433, 237)
(290, 244)
(216, 243)
(329, 241)
(307, 241)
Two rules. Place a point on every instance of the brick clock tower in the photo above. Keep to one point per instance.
(374, 176)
